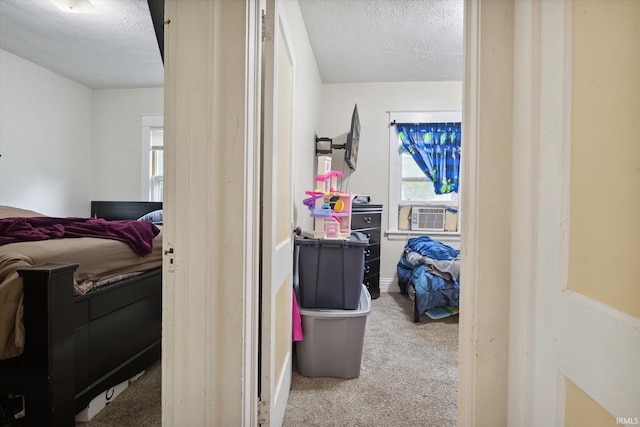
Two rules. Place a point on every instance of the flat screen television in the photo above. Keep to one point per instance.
(353, 139)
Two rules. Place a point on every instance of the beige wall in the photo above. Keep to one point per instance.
(605, 157)
(582, 411)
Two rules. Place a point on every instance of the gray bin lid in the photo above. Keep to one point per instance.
(364, 307)
(355, 239)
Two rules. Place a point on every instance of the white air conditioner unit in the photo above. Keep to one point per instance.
(427, 219)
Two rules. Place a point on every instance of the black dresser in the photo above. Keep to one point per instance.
(367, 218)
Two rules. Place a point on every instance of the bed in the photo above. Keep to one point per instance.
(87, 326)
(429, 272)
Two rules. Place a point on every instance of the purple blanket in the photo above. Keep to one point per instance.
(137, 234)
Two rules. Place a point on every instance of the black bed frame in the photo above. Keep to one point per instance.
(79, 347)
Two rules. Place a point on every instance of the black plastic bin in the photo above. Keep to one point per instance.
(331, 271)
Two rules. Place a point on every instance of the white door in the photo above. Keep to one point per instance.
(277, 219)
(583, 332)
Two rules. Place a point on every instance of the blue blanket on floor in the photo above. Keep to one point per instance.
(432, 288)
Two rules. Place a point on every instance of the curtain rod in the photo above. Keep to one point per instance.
(423, 111)
(393, 123)
(430, 116)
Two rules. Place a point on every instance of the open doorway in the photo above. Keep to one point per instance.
(236, 351)
(371, 178)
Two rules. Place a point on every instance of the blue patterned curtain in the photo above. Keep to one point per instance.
(435, 147)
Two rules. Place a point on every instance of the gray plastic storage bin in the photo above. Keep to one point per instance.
(331, 271)
(333, 340)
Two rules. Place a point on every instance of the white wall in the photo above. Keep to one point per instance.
(374, 100)
(64, 144)
(307, 107)
(117, 141)
(45, 139)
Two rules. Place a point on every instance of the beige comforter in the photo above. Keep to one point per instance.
(98, 259)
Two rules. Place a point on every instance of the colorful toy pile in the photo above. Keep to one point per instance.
(329, 207)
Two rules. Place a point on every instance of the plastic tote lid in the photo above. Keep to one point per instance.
(364, 307)
(355, 239)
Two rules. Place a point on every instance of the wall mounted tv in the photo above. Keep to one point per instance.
(350, 147)
(353, 139)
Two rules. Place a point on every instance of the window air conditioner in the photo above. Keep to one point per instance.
(427, 219)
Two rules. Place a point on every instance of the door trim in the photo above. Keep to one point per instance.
(485, 257)
(201, 357)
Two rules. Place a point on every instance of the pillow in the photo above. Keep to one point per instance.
(11, 212)
(154, 217)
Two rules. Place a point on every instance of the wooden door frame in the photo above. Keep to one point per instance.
(212, 212)
(486, 225)
(277, 238)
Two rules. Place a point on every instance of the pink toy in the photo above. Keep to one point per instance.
(329, 207)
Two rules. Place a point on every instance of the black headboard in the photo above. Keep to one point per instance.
(122, 210)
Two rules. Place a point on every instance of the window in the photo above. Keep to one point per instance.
(416, 188)
(408, 185)
(152, 156)
(157, 160)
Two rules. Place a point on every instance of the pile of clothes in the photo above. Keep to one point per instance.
(433, 270)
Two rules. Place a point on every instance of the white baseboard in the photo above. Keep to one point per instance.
(389, 284)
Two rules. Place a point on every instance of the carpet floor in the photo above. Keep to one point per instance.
(408, 378)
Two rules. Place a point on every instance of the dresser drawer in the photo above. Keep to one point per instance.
(365, 220)
(371, 267)
(371, 252)
(373, 285)
(373, 234)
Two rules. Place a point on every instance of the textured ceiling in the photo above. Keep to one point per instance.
(115, 48)
(353, 40)
(386, 40)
